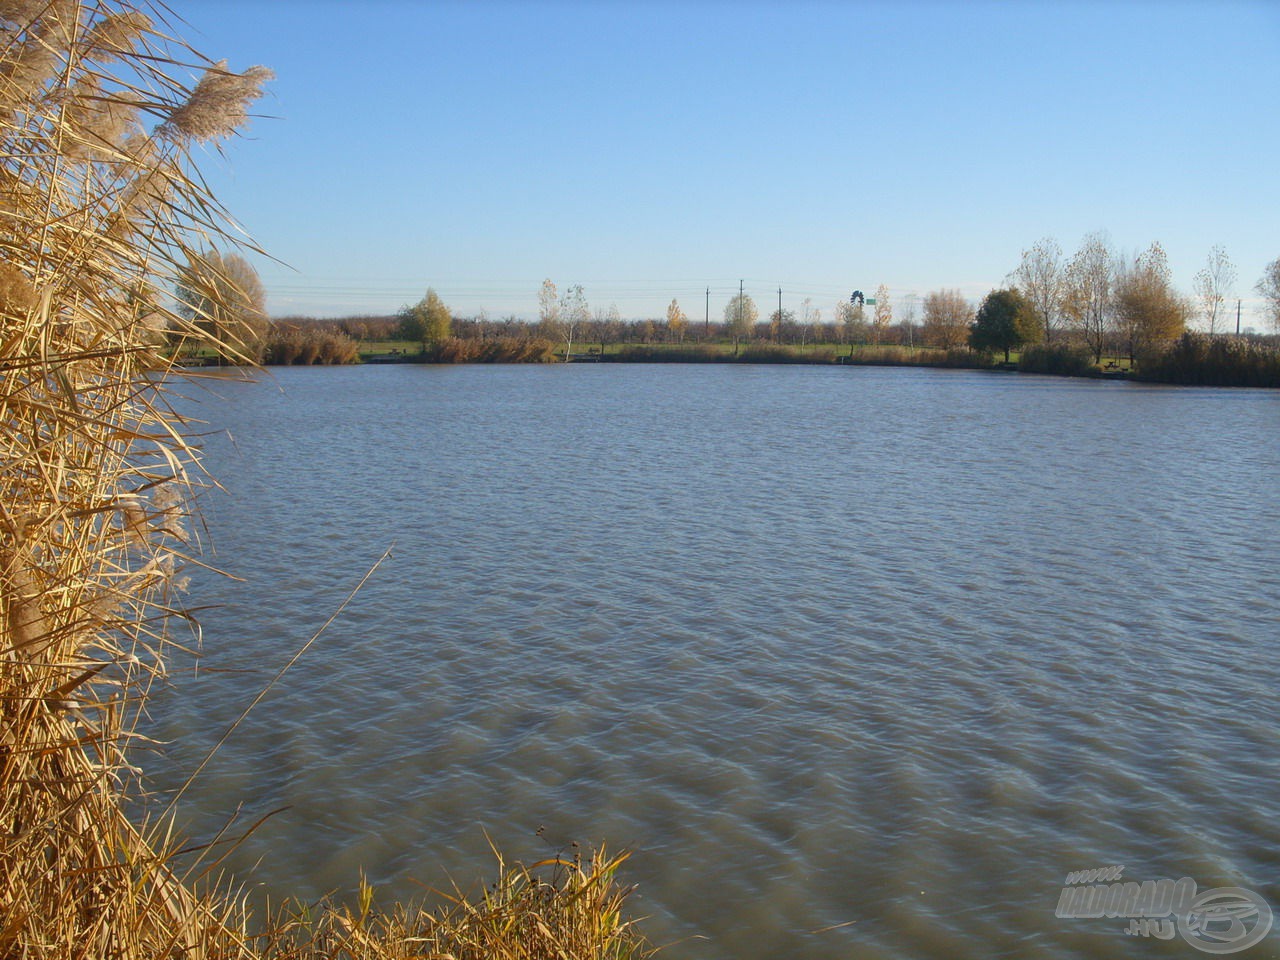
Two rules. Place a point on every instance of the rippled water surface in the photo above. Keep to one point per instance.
(857, 662)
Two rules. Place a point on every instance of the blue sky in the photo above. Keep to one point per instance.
(648, 150)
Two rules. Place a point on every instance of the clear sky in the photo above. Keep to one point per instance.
(649, 150)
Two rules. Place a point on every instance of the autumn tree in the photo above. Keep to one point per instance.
(677, 322)
(222, 294)
(1040, 277)
(1087, 291)
(740, 316)
(946, 319)
(1213, 284)
(779, 322)
(1005, 321)
(1149, 311)
(1269, 288)
(439, 320)
(882, 315)
(548, 310)
(428, 321)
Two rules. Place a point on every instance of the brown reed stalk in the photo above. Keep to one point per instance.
(100, 210)
(99, 206)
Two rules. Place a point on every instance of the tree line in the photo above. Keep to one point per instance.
(1102, 300)
(1127, 306)
(1097, 301)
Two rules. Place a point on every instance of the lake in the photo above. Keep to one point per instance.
(857, 662)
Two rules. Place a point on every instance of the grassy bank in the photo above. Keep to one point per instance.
(99, 205)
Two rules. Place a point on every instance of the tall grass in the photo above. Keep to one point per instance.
(100, 207)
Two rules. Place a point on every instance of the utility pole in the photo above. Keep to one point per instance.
(779, 315)
(706, 323)
(1237, 316)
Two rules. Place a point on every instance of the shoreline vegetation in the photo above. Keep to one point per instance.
(101, 210)
(1192, 359)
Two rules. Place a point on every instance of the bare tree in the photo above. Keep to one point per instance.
(852, 320)
(947, 315)
(1087, 297)
(1040, 278)
(908, 322)
(1269, 287)
(1213, 284)
(608, 326)
(574, 314)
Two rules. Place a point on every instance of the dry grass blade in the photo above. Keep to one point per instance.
(558, 909)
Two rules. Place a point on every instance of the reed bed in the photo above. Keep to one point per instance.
(1197, 359)
(774, 353)
(288, 345)
(100, 209)
(685, 353)
(892, 355)
(494, 350)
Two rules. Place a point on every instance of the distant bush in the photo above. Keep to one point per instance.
(1058, 359)
(289, 345)
(1201, 360)
(497, 350)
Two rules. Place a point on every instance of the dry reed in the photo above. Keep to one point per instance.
(100, 208)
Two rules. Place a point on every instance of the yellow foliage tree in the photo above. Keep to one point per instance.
(677, 322)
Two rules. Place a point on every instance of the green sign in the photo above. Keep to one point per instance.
(871, 301)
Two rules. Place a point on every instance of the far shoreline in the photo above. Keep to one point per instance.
(1114, 369)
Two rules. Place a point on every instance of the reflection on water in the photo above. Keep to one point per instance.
(857, 662)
